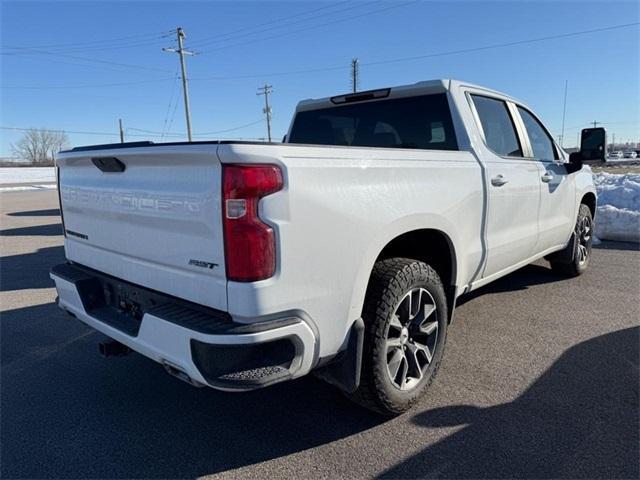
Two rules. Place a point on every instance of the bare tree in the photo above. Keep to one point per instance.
(39, 145)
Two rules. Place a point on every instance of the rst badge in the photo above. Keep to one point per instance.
(203, 264)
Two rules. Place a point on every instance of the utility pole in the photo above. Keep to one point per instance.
(564, 112)
(121, 131)
(355, 70)
(266, 90)
(595, 124)
(185, 85)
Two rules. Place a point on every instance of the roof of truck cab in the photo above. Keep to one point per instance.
(423, 87)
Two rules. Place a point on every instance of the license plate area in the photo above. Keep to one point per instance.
(118, 304)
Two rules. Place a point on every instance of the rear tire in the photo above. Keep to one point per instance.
(582, 248)
(405, 316)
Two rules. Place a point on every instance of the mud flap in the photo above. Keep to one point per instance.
(566, 255)
(344, 371)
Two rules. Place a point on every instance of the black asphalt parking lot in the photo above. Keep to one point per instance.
(540, 380)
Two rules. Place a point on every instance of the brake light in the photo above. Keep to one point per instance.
(249, 243)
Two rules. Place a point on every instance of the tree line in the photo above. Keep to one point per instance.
(38, 146)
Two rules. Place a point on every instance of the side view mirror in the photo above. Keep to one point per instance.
(575, 162)
(593, 144)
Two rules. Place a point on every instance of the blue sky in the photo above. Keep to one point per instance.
(70, 55)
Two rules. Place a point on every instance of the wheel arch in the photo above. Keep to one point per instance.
(434, 246)
(431, 246)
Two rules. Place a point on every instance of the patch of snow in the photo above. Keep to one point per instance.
(618, 213)
(27, 174)
(24, 188)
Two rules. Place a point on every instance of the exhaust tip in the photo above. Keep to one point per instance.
(180, 374)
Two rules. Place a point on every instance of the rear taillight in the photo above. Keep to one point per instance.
(249, 243)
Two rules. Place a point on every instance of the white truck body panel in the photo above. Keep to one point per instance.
(338, 209)
(313, 241)
(149, 222)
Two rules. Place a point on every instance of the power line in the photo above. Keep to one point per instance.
(244, 29)
(502, 45)
(93, 42)
(108, 44)
(114, 46)
(309, 27)
(118, 46)
(66, 62)
(95, 85)
(173, 115)
(276, 27)
(85, 59)
(239, 127)
(146, 132)
(429, 55)
(23, 129)
(173, 89)
(272, 74)
(340, 67)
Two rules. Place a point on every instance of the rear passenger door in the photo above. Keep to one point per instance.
(512, 182)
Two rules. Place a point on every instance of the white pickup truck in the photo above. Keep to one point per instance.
(340, 251)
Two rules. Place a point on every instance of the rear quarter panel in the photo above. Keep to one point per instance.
(338, 209)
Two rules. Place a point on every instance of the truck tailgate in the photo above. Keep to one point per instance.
(157, 223)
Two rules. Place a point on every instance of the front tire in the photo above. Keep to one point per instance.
(405, 316)
(582, 248)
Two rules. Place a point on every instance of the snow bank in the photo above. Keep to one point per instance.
(27, 175)
(618, 214)
(25, 188)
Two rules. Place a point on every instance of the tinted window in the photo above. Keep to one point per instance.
(499, 131)
(541, 144)
(412, 122)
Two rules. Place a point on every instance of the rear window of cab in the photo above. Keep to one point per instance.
(419, 122)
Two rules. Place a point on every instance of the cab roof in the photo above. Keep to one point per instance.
(425, 87)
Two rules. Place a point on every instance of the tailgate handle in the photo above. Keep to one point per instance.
(108, 164)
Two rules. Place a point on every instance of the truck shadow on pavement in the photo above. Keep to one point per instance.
(51, 212)
(521, 279)
(625, 246)
(29, 270)
(69, 413)
(578, 420)
(53, 229)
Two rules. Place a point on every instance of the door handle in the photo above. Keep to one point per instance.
(498, 181)
(547, 177)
